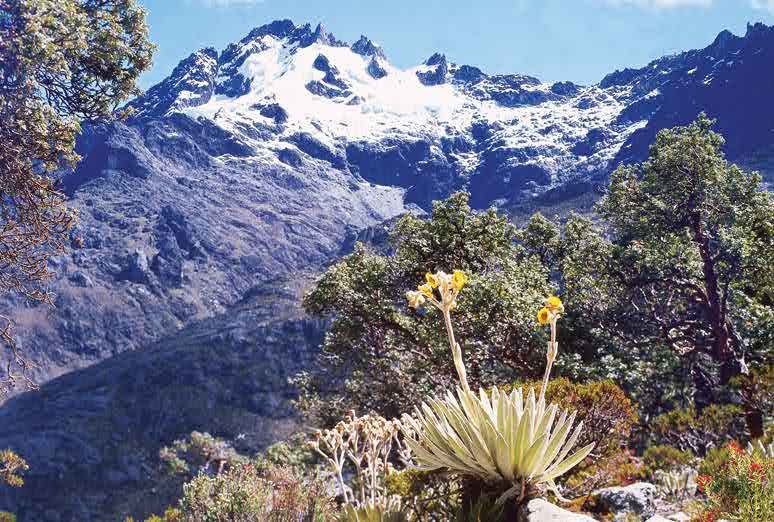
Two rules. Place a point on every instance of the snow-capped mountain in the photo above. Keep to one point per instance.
(245, 172)
(292, 94)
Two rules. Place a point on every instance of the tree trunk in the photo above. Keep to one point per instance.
(703, 383)
(722, 350)
(731, 362)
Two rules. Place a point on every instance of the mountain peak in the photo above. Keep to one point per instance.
(278, 28)
(365, 47)
(436, 59)
(191, 83)
(434, 70)
(305, 36)
(758, 30)
(724, 39)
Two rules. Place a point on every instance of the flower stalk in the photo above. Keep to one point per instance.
(442, 289)
(550, 314)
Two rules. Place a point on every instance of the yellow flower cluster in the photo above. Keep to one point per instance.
(440, 288)
(552, 310)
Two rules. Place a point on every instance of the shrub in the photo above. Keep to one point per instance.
(743, 489)
(7, 517)
(665, 458)
(199, 452)
(293, 453)
(364, 445)
(714, 461)
(691, 431)
(170, 515)
(242, 494)
(11, 466)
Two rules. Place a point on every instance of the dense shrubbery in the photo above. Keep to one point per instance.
(200, 452)
(696, 432)
(242, 494)
(378, 358)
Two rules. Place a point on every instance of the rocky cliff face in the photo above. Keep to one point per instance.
(265, 160)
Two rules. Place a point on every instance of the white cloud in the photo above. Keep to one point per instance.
(763, 4)
(667, 4)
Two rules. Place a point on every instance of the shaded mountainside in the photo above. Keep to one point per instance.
(92, 437)
(268, 159)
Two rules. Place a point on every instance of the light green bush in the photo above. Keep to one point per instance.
(665, 458)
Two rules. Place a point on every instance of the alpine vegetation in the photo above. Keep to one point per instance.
(366, 444)
(495, 437)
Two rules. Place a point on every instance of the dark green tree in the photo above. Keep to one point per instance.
(62, 62)
(596, 341)
(692, 253)
(381, 356)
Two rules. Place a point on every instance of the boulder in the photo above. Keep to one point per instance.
(639, 498)
(168, 264)
(136, 268)
(540, 510)
(274, 111)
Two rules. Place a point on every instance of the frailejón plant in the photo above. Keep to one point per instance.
(677, 483)
(495, 437)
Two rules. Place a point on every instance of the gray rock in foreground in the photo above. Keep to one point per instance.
(540, 510)
(639, 498)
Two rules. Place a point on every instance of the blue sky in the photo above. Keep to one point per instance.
(577, 40)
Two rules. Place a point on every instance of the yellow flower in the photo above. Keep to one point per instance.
(426, 289)
(431, 280)
(415, 299)
(459, 279)
(543, 316)
(554, 304)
